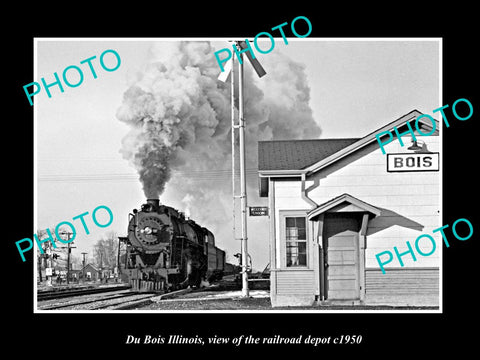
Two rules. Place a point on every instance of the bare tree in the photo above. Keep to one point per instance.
(76, 260)
(105, 251)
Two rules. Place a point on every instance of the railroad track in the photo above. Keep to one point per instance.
(119, 300)
(106, 301)
(77, 292)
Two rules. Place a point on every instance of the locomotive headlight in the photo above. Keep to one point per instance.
(147, 230)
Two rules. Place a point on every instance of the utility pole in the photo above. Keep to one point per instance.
(83, 266)
(68, 262)
(49, 260)
(234, 126)
(117, 276)
(243, 186)
(241, 47)
(69, 247)
(39, 266)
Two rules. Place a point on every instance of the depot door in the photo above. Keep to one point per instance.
(341, 252)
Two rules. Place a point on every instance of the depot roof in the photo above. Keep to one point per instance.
(297, 154)
(297, 157)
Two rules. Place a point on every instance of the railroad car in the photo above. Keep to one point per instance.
(166, 251)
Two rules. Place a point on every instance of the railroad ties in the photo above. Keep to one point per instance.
(147, 285)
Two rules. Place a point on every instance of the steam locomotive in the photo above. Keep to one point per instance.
(165, 251)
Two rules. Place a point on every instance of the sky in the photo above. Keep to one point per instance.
(355, 87)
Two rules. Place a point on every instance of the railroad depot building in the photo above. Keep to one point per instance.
(336, 203)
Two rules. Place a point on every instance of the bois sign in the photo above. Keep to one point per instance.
(412, 162)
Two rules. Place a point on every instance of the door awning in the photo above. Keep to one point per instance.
(343, 203)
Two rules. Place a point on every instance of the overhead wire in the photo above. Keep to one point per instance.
(199, 175)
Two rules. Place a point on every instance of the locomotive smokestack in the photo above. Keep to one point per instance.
(154, 202)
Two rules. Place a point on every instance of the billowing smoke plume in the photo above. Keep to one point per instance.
(180, 120)
(175, 104)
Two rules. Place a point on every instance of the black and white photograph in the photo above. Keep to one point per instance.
(299, 207)
(283, 185)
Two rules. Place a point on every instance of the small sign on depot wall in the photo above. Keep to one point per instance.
(258, 211)
(413, 162)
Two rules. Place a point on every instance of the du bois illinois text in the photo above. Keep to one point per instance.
(244, 340)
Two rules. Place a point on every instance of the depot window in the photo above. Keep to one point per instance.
(295, 236)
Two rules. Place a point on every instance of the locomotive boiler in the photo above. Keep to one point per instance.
(165, 251)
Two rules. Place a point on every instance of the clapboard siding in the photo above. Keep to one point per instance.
(409, 205)
(409, 202)
(296, 282)
(365, 177)
(402, 282)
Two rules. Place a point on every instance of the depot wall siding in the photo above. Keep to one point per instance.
(405, 286)
(410, 201)
(410, 206)
(285, 204)
(292, 287)
(295, 282)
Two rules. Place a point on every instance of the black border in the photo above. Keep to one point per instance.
(104, 334)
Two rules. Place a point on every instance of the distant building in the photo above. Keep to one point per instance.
(91, 272)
